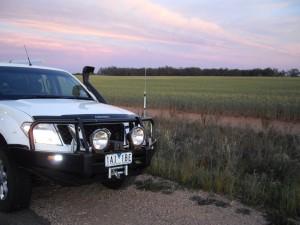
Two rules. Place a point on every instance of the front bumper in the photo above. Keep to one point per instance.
(83, 164)
(75, 168)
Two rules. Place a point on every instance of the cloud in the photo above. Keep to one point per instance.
(119, 28)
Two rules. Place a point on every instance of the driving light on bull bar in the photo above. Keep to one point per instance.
(137, 136)
(100, 138)
(44, 133)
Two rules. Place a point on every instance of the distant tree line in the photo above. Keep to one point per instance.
(195, 71)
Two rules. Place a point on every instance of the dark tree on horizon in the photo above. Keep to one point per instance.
(195, 71)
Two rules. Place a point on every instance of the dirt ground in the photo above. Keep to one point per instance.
(146, 201)
(256, 124)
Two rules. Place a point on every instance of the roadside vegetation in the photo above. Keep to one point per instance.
(263, 97)
(261, 169)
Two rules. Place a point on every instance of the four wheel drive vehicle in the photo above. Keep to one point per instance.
(54, 126)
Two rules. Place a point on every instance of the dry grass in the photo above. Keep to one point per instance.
(260, 169)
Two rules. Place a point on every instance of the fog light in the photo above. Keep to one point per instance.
(55, 158)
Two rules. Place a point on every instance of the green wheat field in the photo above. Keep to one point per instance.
(270, 98)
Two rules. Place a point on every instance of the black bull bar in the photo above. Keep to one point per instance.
(79, 122)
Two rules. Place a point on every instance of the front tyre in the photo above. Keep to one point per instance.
(15, 185)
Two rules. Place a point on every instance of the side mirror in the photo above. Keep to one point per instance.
(86, 71)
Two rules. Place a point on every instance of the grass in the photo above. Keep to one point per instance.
(260, 169)
(270, 98)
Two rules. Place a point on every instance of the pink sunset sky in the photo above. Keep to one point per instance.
(137, 33)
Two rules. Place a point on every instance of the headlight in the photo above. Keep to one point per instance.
(137, 136)
(46, 134)
(99, 139)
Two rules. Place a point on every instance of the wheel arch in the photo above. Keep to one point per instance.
(2, 140)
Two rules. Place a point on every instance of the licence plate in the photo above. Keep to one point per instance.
(118, 159)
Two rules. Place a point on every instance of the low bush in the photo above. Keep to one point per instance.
(261, 169)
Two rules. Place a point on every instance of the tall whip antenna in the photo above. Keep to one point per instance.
(29, 62)
(145, 92)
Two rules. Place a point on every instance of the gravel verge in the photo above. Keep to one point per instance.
(147, 201)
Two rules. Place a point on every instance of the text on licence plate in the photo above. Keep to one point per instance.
(118, 159)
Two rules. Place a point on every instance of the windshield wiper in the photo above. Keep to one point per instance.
(80, 98)
(39, 96)
(54, 97)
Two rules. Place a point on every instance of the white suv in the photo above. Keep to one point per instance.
(54, 126)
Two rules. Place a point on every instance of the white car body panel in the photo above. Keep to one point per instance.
(13, 113)
(59, 107)
(19, 65)
(11, 121)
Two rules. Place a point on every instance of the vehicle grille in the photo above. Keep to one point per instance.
(65, 134)
(117, 131)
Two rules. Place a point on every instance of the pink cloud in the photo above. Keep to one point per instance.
(117, 29)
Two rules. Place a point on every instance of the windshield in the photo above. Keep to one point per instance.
(26, 83)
